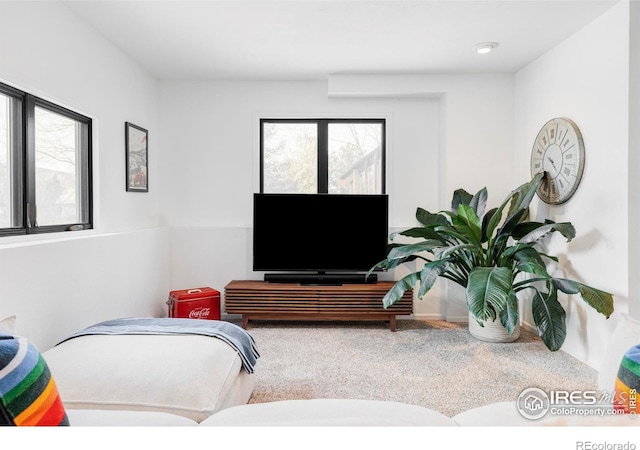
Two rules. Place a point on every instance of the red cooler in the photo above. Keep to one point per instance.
(198, 303)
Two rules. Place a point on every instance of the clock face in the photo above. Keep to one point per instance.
(559, 152)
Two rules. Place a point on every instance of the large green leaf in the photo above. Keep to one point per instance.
(426, 218)
(419, 232)
(523, 194)
(488, 291)
(523, 228)
(399, 288)
(527, 259)
(495, 249)
(534, 268)
(550, 319)
(509, 315)
(430, 273)
(495, 219)
(479, 202)
(522, 253)
(518, 199)
(599, 300)
(468, 223)
(564, 228)
(444, 252)
(512, 221)
(388, 264)
(485, 224)
(566, 286)
(460, 197)
(518, 202)
(456, 234)
(410, 249)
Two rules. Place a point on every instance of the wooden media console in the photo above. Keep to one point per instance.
(260, 300)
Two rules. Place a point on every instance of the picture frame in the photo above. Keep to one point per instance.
(137, 157)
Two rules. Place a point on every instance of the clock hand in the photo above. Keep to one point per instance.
(552, 163)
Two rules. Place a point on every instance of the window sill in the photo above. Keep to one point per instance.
(24, 240)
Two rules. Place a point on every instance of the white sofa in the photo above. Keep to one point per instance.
(187, 376)
(328, 412)
(160, 377)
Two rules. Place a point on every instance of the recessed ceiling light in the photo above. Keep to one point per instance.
(485, 47)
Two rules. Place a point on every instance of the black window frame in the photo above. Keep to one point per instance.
(323, 147)
(23, 167)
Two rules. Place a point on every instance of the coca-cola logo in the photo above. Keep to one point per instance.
(199, 313)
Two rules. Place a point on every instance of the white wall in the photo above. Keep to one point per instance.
(634, 154)
(62, 282)
(447, 133)
(210, 134)
(58, 287)
(476, 119)
(573, 80)
(65, 61)
(211, 164)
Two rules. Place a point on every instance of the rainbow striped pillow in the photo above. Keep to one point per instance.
(628, 382)
(28, 394)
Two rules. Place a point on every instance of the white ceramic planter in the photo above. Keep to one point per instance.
(492, 331)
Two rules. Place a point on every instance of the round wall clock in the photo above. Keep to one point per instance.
(559, 152)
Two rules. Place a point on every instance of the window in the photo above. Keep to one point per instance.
(335, 156)
(45, 166)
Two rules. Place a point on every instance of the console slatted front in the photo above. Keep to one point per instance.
(256, 300)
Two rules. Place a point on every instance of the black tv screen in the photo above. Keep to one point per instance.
(319, 232)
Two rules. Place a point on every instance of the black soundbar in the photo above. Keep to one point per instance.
(321, 278)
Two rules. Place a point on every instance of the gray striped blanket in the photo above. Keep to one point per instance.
(235, 336)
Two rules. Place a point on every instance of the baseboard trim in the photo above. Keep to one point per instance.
(456, 319)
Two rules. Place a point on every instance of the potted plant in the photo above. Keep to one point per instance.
(494, 255)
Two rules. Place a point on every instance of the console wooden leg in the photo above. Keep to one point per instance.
(392, 323)
(245, 321)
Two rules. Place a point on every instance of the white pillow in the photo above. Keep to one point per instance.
(8, 325)
(625, 336)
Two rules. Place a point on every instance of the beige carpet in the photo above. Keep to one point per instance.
(433, 364)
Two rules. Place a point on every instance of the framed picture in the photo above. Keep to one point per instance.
(137, 157)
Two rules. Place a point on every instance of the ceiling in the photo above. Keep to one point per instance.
(309, 40)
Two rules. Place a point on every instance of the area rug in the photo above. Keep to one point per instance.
(435, 364)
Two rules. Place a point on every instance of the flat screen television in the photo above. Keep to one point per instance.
(319, 238)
